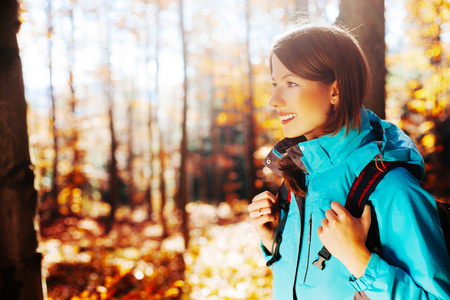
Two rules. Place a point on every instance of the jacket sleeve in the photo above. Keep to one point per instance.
(415, 263)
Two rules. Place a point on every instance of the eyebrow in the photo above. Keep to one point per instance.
(287, 75)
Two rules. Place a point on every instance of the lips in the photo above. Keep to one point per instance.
(287, 117)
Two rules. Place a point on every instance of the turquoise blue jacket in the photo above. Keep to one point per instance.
(414, 263)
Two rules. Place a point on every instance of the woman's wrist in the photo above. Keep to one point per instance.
(267, 243)
(358, 263)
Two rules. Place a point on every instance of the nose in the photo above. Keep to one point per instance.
(276, 100)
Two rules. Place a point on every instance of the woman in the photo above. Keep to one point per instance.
(321, 78)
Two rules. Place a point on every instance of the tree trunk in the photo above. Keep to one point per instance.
(113, 174)
(182, 195)
(154, 117)
(54, 191)
(368, 19)
(249, 108)
(20, 264)
(149, 192)
(76, 167)
(130, 148)
(162, 184)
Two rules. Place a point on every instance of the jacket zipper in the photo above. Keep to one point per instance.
(309, 246)
(302, 226)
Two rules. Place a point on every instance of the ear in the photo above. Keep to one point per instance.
(334, 93)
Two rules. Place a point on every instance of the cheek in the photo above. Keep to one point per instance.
(319, 107)
(314, 107)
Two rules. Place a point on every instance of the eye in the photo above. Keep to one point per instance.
(274, 84)
(291, 84)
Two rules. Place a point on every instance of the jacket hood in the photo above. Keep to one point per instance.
(397, 146)
(356, 147)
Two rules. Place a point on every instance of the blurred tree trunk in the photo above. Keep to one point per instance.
(216, 169)
(20, 264)
(202, 163)
(151, 114)
(212, 184)
(367, 20)
(130, 148)
(76, 176)
(162, 184)
(54, 190)
(162, 153)
(113, 173)
(183, 193)
(249, 123)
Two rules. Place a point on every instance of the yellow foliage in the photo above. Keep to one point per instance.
(433, 31)
(172, 293)
(63, 195)
(417, 106)
(222, 119)
(178, 284)
(420, 94)
(84, 294)
(414, 84)
(437, 49)
(429, 140)
(426, 126)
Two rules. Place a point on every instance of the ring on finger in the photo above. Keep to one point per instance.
(260, 211)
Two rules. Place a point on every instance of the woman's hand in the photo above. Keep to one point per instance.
(345, 237)
(264, 213)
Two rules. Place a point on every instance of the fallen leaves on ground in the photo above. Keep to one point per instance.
(134, 261)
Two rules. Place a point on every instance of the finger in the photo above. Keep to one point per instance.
(330, 214)
(261, 211)
(324, 222)
(264, 219)
(265, 195)
(319, 231)
(338, 208)
(259, 204)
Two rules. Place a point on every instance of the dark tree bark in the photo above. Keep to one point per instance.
(249, 122)
(162, 185)
(183, 193)
(20, 264)
(367, 20)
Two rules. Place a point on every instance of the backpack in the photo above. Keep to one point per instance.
(357, 198)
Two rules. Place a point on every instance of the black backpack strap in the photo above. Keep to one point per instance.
(444, 216)
(283, 198)
(358, 197)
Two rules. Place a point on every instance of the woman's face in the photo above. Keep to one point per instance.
(302, 104)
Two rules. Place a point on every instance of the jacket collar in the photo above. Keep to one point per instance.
(319, 154)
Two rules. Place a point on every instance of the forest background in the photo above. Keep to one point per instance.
(148, 120)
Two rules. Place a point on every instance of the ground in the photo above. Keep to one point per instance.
(134, 261)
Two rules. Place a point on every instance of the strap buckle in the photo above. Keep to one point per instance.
(324, 256)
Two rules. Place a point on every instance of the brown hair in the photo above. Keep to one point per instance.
(326, 53)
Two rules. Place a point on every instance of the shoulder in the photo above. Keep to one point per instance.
(399, 181)
(400, 189)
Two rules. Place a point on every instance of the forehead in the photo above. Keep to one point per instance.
(278, 69)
